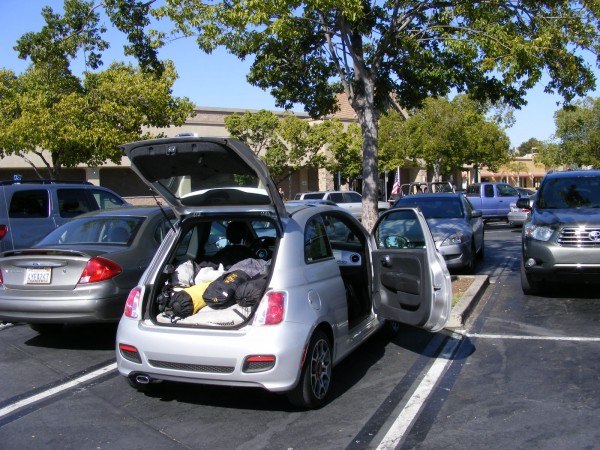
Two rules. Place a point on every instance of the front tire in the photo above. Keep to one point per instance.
(529, 286)
(315, 375)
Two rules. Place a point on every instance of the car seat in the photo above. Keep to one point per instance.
(238, 235)
(118, 234)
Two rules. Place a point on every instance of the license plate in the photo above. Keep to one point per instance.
(39, 276)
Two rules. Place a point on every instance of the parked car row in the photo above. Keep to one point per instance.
(281, 291)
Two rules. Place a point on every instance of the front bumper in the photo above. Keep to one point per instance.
(549, 261)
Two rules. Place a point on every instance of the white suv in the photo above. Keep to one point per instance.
(350, 200)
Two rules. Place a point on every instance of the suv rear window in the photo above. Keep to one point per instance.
(29, 204)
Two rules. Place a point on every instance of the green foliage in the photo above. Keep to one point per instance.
(444, 135)
(84, 122)
(578, 130)
(532, 145)
(379, 54)
(290, 143)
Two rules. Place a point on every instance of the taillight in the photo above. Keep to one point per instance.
(133, 302)
(3, 231)
(1, 279)
(271, 309)
(99, 269)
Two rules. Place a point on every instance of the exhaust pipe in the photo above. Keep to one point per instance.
(142, 379)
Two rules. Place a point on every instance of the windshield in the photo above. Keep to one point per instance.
(436, 208)
(102, 230)
(576, 192)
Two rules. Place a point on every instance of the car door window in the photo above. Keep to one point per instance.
(72, 202)
(398, 230)
(316, 243)
(505, 190)
(488, 190)
(105, 200)
(337, 197)
(352, 197)
(29, 204)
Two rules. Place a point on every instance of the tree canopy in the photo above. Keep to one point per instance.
(397, 53)
(290, 143)
(443, 135)
(578, 133)
(83, 122)
(380, 54)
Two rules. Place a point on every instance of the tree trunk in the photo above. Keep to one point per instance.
(363, 103)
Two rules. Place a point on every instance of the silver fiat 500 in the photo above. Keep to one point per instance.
(246, 291)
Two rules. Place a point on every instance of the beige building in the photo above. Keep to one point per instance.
(523, 171)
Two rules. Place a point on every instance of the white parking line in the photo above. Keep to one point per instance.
(534, 338)
(417, 400)
(48, 393)
(410, 412)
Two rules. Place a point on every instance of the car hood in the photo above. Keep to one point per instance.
(442, 228)
(577, 217)
(202, 174)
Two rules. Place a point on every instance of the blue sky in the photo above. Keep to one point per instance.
(219, 79)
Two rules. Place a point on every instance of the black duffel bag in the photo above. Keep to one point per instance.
(221, 293)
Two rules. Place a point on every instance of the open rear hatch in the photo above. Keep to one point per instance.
(200, 174)
(211, 183)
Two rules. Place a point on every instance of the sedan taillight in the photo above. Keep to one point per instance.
(99, 269)
(3, 231)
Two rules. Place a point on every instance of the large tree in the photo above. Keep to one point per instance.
(381, 54)
(443, 135)
(578, 132)
(67, 122)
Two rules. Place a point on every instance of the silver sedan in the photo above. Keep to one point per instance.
(82, 271)
(456, 227)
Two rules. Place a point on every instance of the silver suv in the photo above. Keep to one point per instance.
(561, 240)
(31, 209)
(350, 200)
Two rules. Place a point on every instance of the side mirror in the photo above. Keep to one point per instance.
(524, 203)
(476, 213)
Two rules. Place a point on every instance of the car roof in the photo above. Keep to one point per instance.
(573, 173)
(432, 195)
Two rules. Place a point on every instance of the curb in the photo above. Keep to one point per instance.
(460, 312)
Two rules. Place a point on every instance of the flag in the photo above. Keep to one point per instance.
(396, 186)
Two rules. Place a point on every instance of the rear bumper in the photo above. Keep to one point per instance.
(213, 356)
(62, 311)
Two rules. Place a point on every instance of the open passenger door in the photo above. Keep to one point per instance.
(411, 282)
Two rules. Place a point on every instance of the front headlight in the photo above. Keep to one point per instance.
(537, 232)
(454, 239)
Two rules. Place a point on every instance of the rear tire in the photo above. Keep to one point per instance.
(529, 286)
(315, 375)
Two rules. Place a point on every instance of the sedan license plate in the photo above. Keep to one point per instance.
(38, 276)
